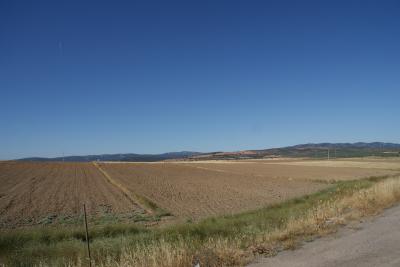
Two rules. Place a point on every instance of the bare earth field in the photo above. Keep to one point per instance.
(37, 193)
(303, 170)
(201, 189)
(389, 164)
(196, 192)
(32, 192)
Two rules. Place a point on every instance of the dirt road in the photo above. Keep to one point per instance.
(374, 243)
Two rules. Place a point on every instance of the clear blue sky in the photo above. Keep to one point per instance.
(88, 77)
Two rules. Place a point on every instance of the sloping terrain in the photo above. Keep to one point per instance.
(118, 157)
(320, 150)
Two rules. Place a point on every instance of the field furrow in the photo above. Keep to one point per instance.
(41, 193)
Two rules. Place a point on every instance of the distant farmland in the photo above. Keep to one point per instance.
(50, 193)
(40, 193)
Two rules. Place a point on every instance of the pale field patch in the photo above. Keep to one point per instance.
(300, 170)
(353, 163)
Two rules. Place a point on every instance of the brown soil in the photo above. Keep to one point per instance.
(299, 170)
(31, 192)
(389, 164)
(189, 191)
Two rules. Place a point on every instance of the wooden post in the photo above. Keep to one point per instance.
(87, 236)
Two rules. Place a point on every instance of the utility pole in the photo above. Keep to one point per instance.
(328, 154)
(87, 236)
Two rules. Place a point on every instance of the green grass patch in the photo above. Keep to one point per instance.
(24, 247)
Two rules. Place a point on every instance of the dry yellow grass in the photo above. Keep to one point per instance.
(322, 219)
(325, 216)
(47, 193)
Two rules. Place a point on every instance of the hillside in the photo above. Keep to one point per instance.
(118, 157)
(319, 150)
(311, 150)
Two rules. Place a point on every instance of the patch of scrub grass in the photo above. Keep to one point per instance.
(102, 219)
(159, 212)
(222, 240)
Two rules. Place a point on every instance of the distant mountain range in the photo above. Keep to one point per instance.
(119, 157)
(319, 150)
(311, 150)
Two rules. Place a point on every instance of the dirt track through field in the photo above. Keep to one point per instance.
(196, 192)
(33, 192)
(128, 194)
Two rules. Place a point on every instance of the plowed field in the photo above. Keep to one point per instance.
(31, 193)
(201, 189)
(195, 192)
(304, 170)
(389, 164)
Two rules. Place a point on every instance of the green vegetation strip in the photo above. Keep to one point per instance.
(139, 200)
(56, 246)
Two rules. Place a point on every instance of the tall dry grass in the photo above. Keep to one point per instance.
(220, 241)
(326, 216)
(323, 218)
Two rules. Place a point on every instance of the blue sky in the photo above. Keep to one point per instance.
(88, 77)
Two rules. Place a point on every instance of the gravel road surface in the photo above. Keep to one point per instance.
(375, 242)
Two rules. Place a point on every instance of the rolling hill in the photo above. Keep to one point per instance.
(311, 150)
